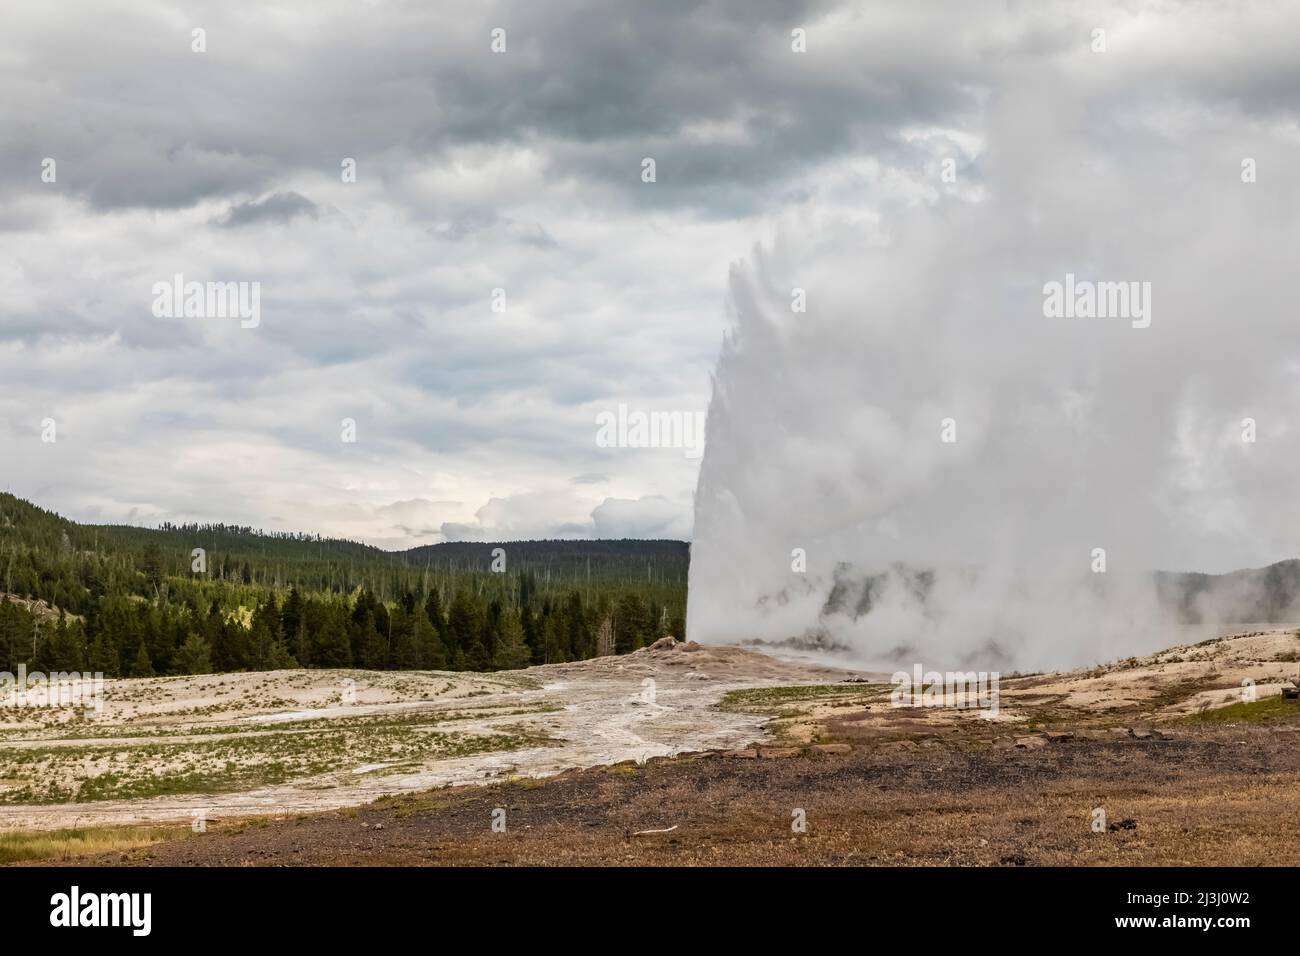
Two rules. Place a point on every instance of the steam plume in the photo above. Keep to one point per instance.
(1072, 434)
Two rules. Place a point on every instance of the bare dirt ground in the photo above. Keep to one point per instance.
(1226, 798)
(1158, 760)
(225, 746)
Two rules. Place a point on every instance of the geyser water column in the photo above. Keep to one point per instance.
(934, 463)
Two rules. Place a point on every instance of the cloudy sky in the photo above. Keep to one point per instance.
(476, 170)
(479, 170)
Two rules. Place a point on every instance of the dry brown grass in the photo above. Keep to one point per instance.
(61, 845)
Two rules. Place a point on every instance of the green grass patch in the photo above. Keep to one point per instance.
(1268, 710)
(109, 771)
(765, 699)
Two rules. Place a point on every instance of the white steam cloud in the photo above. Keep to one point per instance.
(1072, 434)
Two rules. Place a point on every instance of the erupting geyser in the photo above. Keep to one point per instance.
(928, 464)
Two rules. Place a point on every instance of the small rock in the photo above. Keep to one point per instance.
(742, 754)
(664, 644)
(1141, 733)
(378, 826)
(1031, 743)
(777, 753)
(1055, 736)
(1123, 825)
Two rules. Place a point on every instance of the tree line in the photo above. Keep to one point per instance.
(125, 602)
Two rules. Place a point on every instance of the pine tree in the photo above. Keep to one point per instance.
(291, 618)
(329, 641)
(462, 626)
(405, 651)
(433, 655)
(142, 666)
(476, 655)
(102, 658)
(632, 626)
(433, 611)
(152, 565)
(15, 625)
(194, 656)
(67, 652)
(511, 651)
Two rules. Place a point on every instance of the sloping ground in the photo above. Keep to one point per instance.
(222, 746)
(45, 612)
(1160, 760)
(1114, 765)
(1172, 683)
(1217, 797)
(1133, 693)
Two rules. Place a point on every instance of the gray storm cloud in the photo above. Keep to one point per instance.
(521, 171)
(1071, 434)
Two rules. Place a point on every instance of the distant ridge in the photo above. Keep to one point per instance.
(39, 525)
(33, 540)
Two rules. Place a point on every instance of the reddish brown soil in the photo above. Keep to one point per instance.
(1218, 795)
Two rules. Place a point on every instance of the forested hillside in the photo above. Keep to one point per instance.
(137, 602)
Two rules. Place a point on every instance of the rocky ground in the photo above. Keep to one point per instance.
(1220, 797)
(1159, 760)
